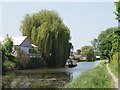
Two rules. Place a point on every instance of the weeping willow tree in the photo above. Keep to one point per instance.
(46, 30)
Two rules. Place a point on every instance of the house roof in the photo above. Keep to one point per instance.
(34, 46)
(16, 40)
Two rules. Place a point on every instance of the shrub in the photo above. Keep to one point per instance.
(35, 62)
(8, 63)
(114, 64)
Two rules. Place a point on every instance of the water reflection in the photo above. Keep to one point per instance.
(46, 77)
(38, 80)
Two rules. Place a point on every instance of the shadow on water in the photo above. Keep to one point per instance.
(46, 77)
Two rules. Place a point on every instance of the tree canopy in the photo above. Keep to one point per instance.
(95, 45)
(7, 46)
(47, 30)
(7, 52)
(108, 42)
(88, 52)
(79, 51)
(117, 12)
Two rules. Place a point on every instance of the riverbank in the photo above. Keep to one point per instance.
(94, 78)
(114, 70)
(115, 79)
(113, 65)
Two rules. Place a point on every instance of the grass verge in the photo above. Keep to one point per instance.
(94, 78)
(114, 69)
(114, 65)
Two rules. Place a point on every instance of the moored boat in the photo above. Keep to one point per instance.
(71, 63)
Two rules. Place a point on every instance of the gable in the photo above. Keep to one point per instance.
(26, 43)
(19, 41)
(16, 40)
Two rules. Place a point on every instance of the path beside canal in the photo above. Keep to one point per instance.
(115, 79)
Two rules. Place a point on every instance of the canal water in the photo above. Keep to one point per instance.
(46, 77)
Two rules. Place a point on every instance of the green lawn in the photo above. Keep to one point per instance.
(94, 78)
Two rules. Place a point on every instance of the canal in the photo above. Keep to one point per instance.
(46, 77)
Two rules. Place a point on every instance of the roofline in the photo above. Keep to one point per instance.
(24, 41)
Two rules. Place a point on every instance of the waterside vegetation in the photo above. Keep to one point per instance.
(94, 78)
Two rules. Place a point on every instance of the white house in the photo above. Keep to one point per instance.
(21, 43)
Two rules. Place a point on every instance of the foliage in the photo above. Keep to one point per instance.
(79, 51)
(46, 30)
(93, 79)
(114, 64)
(35, 62)
(23, 58)
(95, 45)
(7, 49)
(107, 43)
(87, 51)
(28, 63)
(117, 12)
(21, 61)
(7, 45)
(109, 40)
(77, 57)
(8, 63)
(8, 60)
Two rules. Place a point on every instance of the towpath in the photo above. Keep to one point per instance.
(115, 79)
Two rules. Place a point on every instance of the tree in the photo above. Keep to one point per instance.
(7, 57)
(108, 43)
(46, 30)
(117, 31)
(116, 40)
(105, 43)
(7, 49)
(87, 51)
(79, 51)
(117, 12)
(109, 40)
(33, 35)
(95, 45)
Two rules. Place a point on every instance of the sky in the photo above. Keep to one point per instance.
(84, 19)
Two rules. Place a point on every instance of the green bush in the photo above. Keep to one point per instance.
(114, 64)
(8, 63)
(17, 63)
(35, 63)
(76, 57)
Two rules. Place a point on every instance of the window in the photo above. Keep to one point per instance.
(31, 51)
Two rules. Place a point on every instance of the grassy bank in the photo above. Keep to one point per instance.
(114, 65)
(114, 69)
(94, 78)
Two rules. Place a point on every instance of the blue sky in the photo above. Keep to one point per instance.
(84, 19)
